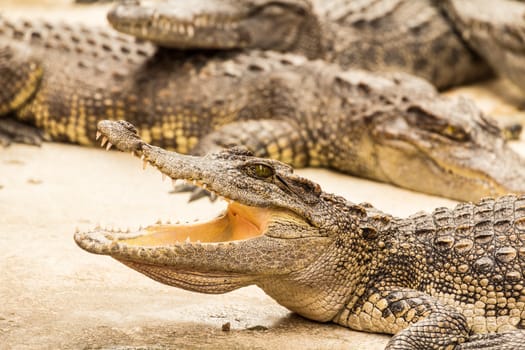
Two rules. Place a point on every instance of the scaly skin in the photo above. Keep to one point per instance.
(392, 128)
(439, 280)
(496, 30)
(387, 35)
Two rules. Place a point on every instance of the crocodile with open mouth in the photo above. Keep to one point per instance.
(450, 279)
(390, 127)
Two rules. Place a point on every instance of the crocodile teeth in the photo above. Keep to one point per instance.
(191, 32)
(98, 135)
(108, 146)
(104, 140)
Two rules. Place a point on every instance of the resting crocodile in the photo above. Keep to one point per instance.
(426, 38)
(393, 128)
(387, 35)
(496, 30)
(441, 280)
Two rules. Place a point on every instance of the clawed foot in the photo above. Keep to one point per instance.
(14, 131)
(196, 192)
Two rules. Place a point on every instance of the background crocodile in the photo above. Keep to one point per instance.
(496, 30)
(427, 38)
(387, 35)
(394, 129)
(436, 281)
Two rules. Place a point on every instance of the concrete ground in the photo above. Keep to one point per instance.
(55, 295)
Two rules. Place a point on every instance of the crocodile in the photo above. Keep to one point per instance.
(387, 35)
(450, 279)
(496, 30)
(390, 127)
(427, 38)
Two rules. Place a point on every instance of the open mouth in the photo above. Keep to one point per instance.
(238, 222)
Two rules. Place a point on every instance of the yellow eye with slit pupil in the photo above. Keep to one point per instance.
(263, 171)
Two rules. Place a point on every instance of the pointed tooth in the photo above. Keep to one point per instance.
(159, 222)
(213, 196)
(168, 222)
(199, 241)
(188, 240)
(144, 164)
(194, 182)
(132, 153)
(190, 30)
(177, 222)
(98, 135)
(108, 146)
(77, 230)
(103, 142)
(204, 186)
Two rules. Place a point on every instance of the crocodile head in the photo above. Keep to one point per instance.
(277, 226)
(222, 24)
(445, 147)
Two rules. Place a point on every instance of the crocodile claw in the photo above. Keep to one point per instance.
(196, 192)
(15, 131)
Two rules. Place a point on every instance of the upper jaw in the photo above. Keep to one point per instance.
(179, 25)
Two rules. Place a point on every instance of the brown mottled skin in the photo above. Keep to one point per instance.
(496, 30)
(449, 279)
(391, 127)
(388, 35)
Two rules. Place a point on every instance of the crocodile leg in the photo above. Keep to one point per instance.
(14, 131)
(418, 320)
(495, 341)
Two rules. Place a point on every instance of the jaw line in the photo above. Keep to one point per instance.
(237, 223)
(192, 32)
(446, 169)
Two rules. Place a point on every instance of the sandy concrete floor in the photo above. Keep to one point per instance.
(55, 295)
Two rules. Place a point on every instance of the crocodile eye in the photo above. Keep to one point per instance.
(455, 133)
(263, 170)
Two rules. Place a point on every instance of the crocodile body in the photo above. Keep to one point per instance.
(496, 30)
(388, 35)
(449, 279)
(427, 38)
(393, 128)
